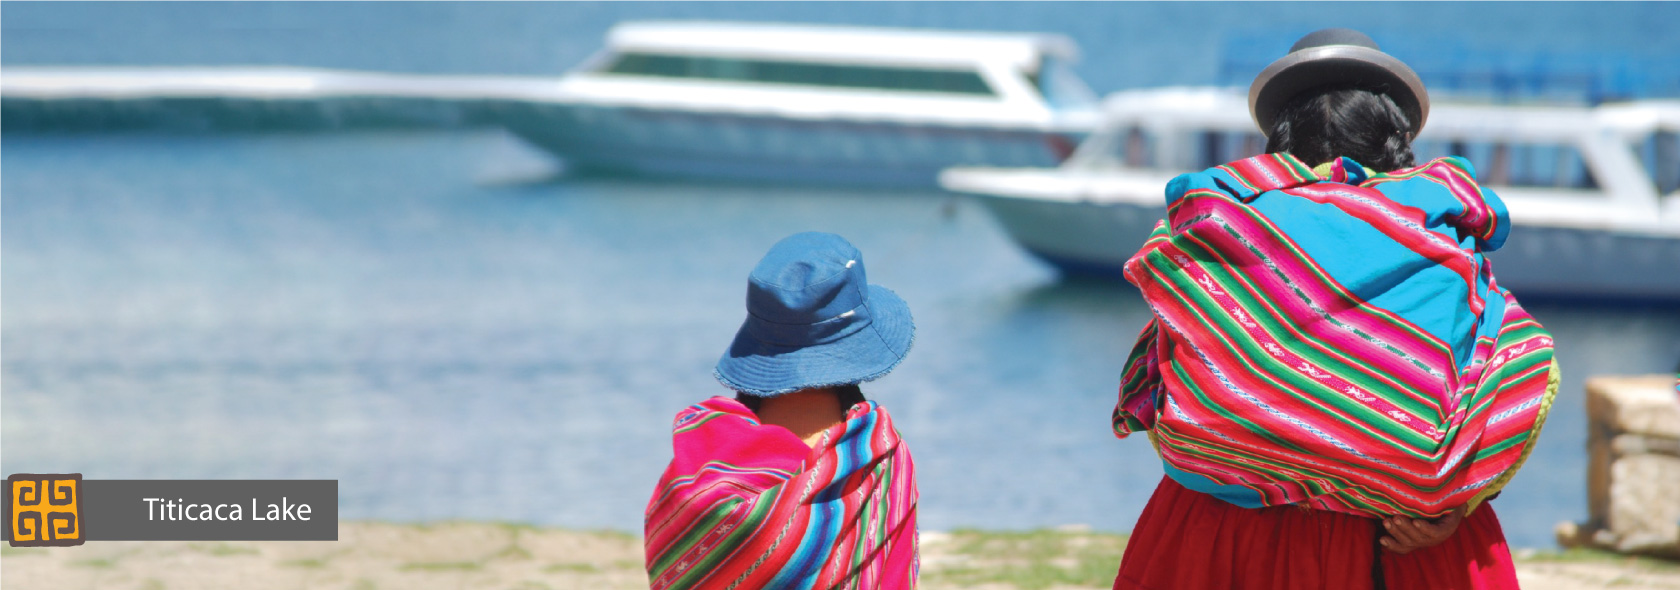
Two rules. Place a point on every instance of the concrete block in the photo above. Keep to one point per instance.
(1641, 405)
(1638, 444)
(1633, 469)
(1645, 501)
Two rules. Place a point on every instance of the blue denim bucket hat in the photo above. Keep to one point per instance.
(813, 320)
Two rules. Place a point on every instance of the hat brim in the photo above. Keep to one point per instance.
(1363, 67)
(759, 368)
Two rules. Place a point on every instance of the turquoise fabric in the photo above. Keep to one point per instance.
(1234, 494)
(1374, 266)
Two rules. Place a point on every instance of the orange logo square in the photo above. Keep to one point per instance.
(44, 510)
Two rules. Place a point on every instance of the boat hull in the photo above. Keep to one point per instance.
(731, 146)
(1087, 238)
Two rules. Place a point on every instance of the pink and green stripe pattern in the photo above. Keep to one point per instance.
(744, 505)
(1273, 367)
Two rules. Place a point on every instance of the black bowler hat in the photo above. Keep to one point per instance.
(1336, 57)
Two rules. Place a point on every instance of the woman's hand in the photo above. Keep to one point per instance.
(1406, 535)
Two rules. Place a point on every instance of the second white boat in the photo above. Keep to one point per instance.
(1594, 193)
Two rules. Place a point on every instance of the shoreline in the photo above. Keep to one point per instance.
(371, 555)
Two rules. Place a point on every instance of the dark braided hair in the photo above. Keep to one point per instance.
(847, 395)
(1323, 124)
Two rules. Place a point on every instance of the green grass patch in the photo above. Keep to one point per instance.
(313, 563)
(7, 550)
(515, 527)
(1031, 560)
(441, 566)
(98, 564)
(1587, 555)
(222, 549)
(576, 568)
(512, 552)
(619, 536)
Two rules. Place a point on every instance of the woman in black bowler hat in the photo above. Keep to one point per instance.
(1330, 349)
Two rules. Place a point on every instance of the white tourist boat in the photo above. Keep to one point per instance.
(812, 103)
(1593, 193)
(694, 99)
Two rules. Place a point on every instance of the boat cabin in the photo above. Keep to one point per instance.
(1565, 163)
(992, 66)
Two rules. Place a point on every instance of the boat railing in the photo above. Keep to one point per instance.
(1026, 72)
(1623, 154)
(1062, 89)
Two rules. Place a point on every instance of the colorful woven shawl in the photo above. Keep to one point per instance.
(1337, 342)
(744, 505)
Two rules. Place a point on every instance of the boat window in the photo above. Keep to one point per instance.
(1516, 164)
(1660, 153)
(1136, 146)
(1216, 148)
(802, 73)
(1060, 86)
(1126, 147)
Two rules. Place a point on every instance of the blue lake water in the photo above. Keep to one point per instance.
(438, 322)
(1124, 44)
(415, 316)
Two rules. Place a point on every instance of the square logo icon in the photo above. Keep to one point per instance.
(44, 509)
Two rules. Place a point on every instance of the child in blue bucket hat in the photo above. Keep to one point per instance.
(798, 481)
(814, 322)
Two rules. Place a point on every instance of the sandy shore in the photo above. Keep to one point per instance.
(370, 556)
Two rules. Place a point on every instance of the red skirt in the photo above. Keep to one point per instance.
(1187, 540)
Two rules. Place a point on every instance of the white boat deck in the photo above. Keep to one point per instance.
(839, 44)
(1625, 200)
(1594, 225)
(254, 82)
(704, 96)
(695, 98)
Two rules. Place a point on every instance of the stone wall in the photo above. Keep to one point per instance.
(1633, 471)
